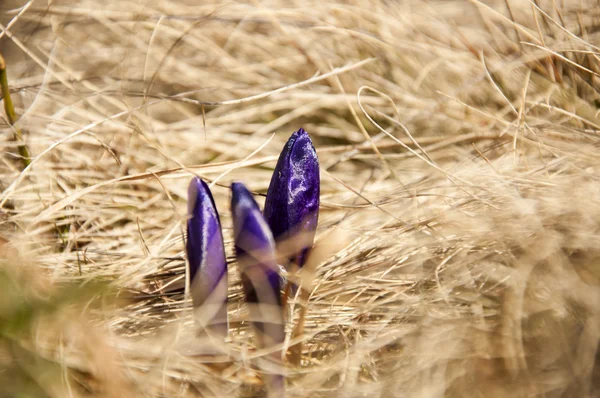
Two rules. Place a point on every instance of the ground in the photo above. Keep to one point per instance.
(460, 198)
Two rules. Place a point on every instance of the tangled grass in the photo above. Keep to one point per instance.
(460, 215)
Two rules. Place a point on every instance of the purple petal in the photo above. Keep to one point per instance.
(255, 252)
(206, 257)
(292, 204)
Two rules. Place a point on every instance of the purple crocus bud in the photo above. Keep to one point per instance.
(255, 252)
(206, 257)
(292, 204)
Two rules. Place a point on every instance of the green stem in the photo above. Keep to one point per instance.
(10, 113)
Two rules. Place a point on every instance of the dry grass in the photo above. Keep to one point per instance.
(460, 188)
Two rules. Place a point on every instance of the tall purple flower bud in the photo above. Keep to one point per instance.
(207, 264)
(292, 204)
(255, 252)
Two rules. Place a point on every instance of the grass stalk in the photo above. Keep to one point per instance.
(10, 114)
(295, 351)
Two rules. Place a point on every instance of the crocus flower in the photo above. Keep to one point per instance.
(206, 257)
(255, 252)
(292, 204)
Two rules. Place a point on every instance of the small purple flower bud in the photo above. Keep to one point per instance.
(292, 204)
(206, 257)
(255, 252)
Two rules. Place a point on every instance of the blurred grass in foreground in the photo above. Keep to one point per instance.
(35, 318)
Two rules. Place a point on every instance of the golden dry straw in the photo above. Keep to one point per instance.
(460, 191)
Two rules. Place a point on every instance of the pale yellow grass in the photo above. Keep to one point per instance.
(460, 214)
